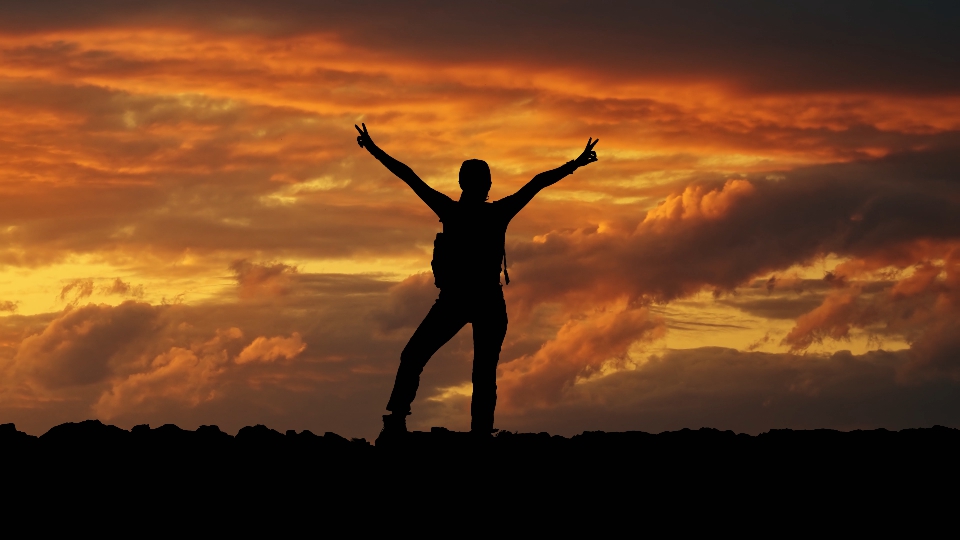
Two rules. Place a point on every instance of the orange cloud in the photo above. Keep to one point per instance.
(178, 374)
(265, 349)
(580, 349)
(830, 319)
(698, 203)
(188, 376)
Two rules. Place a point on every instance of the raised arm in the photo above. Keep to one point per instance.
(432, 197)
(548, 178)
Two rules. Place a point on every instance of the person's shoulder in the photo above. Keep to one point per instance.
(506, 205)
(500, 203)
(445, 203)
(444, 197)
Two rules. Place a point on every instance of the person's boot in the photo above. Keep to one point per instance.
(394, 429)
(482, 431)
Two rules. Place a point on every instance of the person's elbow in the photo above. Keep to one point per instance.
(543, 180)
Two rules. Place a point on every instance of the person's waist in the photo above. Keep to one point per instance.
(474, 285)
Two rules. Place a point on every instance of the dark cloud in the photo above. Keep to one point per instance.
(778, 307)
(82, 288)
(79, 348)
(935, 356)
(255, 279)
(122, 288)
(778, 297)
(410, 300)
(751, 392)
(811, 46)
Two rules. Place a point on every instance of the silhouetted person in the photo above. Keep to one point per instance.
(466, 265)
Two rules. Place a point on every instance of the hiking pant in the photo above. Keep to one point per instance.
(487, 311)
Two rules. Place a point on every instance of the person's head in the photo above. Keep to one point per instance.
(475, 180)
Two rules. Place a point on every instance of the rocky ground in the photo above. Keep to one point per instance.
(77, 463)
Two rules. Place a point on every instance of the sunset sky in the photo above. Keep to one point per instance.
(770, 239)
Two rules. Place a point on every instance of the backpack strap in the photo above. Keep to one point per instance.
(506, 275)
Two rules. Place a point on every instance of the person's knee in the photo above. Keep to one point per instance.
(411, 361)
(410, 352)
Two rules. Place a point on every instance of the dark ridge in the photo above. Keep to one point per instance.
(94, 436)
(295, 470)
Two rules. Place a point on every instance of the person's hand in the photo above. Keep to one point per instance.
(364, 139)
(588, 156)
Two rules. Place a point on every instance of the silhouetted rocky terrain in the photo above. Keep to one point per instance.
(297, 471)
(91, 435)
(93, 439)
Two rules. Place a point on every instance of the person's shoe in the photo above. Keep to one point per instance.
(483, 435)
(394, 429)
(482, 426)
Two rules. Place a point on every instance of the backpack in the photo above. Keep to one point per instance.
(443, 263)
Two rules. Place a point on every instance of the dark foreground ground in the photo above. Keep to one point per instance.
(779, 471)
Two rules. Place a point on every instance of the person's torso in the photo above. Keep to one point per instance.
(474, 234)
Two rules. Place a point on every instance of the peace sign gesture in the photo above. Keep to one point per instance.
(364, 139)
(588, 156)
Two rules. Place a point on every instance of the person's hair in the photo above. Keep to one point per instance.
(475, 176)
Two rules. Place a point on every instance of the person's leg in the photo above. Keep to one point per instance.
(444, 320)
(489, 328)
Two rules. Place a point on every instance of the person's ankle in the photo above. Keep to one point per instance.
(395, 421)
